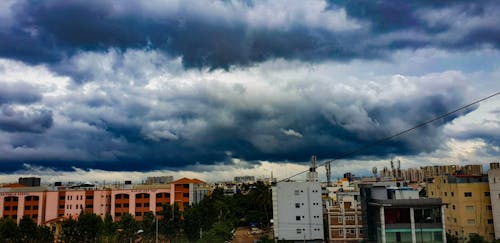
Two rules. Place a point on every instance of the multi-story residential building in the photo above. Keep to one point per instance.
(297, 209)
(494, 184)
(398, 214)
(344, 218)
(468, 204)
(46, 204)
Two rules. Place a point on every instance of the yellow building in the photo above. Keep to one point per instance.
(468, 205)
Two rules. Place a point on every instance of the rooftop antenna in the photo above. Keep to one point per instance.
(328, 174)
(312, 175)
(398, 165)
(393, 169)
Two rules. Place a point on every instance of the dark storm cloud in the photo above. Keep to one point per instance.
(22, 93)
(220, 34)
(32, 121)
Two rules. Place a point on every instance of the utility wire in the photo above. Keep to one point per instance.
(385, 139)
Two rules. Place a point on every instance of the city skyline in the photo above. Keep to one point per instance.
(210, 89)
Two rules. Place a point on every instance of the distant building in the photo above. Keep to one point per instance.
(345, 218)
(468, 204)
(244, 179)
(159, 180)
(398, 214)
(297, 209)
(29, 181)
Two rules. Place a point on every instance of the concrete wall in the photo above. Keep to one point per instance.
(297, 210)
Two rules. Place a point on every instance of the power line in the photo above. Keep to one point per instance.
(398, 134)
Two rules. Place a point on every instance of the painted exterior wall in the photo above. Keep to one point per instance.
(468, 205)
(297, 211)
(494, 183)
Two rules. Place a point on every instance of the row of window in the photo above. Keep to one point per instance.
(299, 231)
(297, 192)
(34, 216)
(298, 218)
(145, 195)
(470, 207)
(15, 199)
(28, 207)
(466, 194)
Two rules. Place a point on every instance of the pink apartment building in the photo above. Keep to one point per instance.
(50, 204)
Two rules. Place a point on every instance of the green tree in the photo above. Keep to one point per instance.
(149, 225)
(451, 238)
(220, 232)
(44, 234)
(169, 224)
(89, 226)
(127, 227)
(9, 231)
(193, 217)
(28, 229)
(475, 238)
(70, 232)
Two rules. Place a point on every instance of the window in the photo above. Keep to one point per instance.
(34, 216)
(89, 206)
(6, 208)
(471, 221)
(35, 207)
(7, 199)
(28, 199)
(125, 205)
(138, 213)
(158, 204)
(297, 218)
(118, 205)
(297, 192)
(453, 206)
(299, 231)
(167, 194)
(467, 194)
(185, 186)
(490, 221)
(185, 194)
(297, 205)
(452, 194)
(445, 194)
(138, 196)
(138, 205)
(89, 197)
(14, 207)
(15, 199)
(27, 207)
(146, 205)
(61, 198)
(126, 196)
(159, 195)
(119, 196)
(118, 214)
(488, 207)
(469, 208)
(486, 194)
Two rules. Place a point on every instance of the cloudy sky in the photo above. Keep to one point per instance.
(110, 89)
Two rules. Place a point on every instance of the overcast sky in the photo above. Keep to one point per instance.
(105, 89)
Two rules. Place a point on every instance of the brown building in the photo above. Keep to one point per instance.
(344, 218)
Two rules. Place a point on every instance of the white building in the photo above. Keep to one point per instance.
(297, 209)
